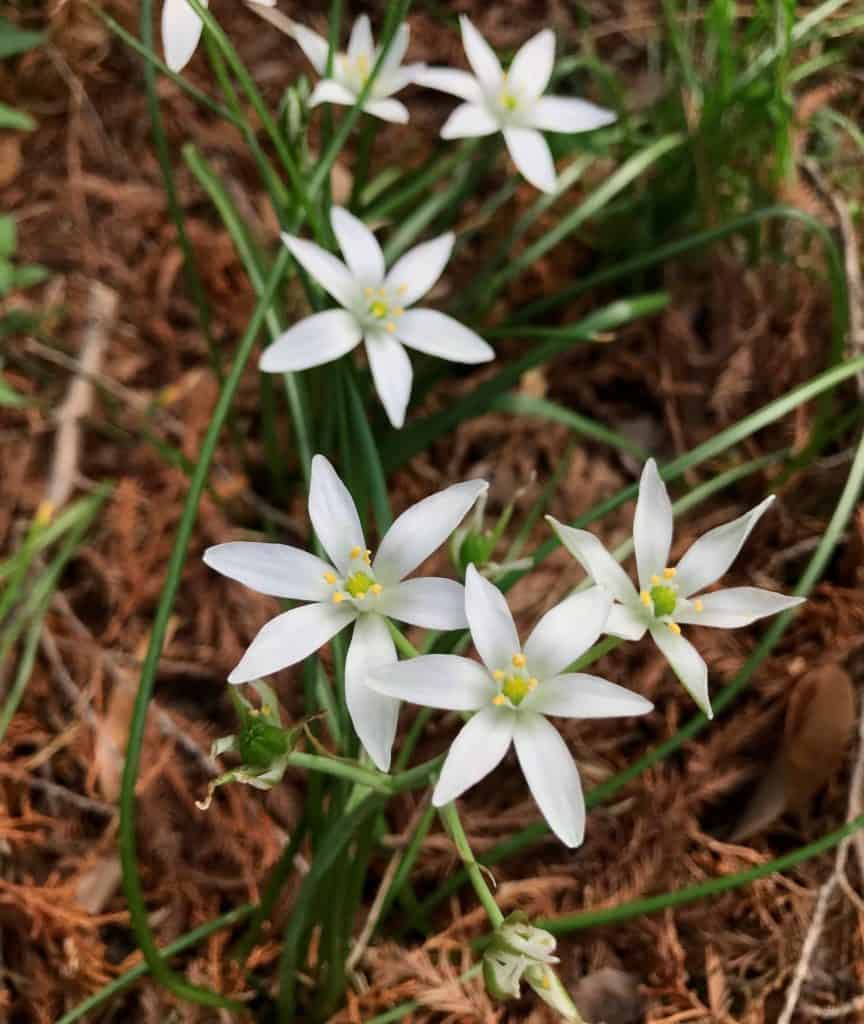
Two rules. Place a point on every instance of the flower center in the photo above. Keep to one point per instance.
(358, 583)
(664, 599)
(514, 682)
(508, 101)
(383, 308)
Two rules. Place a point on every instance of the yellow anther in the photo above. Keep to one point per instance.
(330, 578)
(670, 574)
(674, 627)
(402, 289)
(397, 311)
(390, 327)
(697, 604)
(382, 292)
(518, 660)
(546, 983)
(265, 711)
(376, 588)
(367, 556)
(645, 597)
(368, 292)
(45, 512)
(498, 675)
(360, 596)
(338, 597)
(533, 683)
(499, 699)
(655, 580)
(356, 552)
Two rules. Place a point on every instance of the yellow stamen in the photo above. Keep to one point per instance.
(397, 311)
(367, 556)
(533, 684)
(670, 574)
(499, 699)
(368, 292)
(697, 604)
(356, 552)
(376, 588)
(390, 327)
(498, 675)
(360, 596)
(645, 598)
(382, 291)
(676, 629)
(402, 289)
(330, 578)
(518, 660)
(338, 597)
(655, 580)
(44, 513)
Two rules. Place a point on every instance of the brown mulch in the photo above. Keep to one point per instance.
(87, 194)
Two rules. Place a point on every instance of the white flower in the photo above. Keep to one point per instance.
(669, 597)
(181, 30)
(355, 589)
(351, 69)
(375, 309)
(513, 102)
(513, 693)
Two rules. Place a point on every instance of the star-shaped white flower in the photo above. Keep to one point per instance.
(355, 588)
(513, 693)
(671, 597)
(181, 30)
(352, 69)
(375, 308)
(512, 102)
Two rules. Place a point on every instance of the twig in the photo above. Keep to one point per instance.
(823, 901)
(101, 315)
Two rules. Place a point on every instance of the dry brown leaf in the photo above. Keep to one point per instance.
(96, 886)
(111, 741)
(609, 996)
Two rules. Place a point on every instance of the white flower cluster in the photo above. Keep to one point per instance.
(510, 102)
(512, 691)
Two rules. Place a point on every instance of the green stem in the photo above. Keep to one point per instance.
(450, 818)
(402, 641)
(138, 915)
(700, 891)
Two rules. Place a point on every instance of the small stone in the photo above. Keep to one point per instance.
(609, 996)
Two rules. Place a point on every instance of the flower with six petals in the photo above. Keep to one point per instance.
(512, 102)
(512, 692)
(352, 69)
(356, 588)
(375, 309)
(671, 597)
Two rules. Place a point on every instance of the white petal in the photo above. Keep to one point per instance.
(652, 525)
(373, 714)
(361, 43)
(398, 78)
(443, 681)
(314, 46)
(390, 110)
(430, 602)
(489, 619)
(274, 569)
(330, 272)
(413, 274)
(359, 247)
(552, 777)
(589, 552)
(423, 528)
(181, 30)
(625, 623)
(479, 747)
(317, 339)
(531, 69)
(481, 57)
(391, 370)
(397, 51)
(687, 664)
(531, 155)
(289, 638)
(737, 606)
(330, 91)
(567, 631)
(709, 557)
(457, 83)
(334, 514)
(568, 114)
(440, 335)
(577, 695)
(469, 121)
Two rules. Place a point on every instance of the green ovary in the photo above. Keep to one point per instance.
(359, 584)
(379, 309)
(516, 688)
(664, 600)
